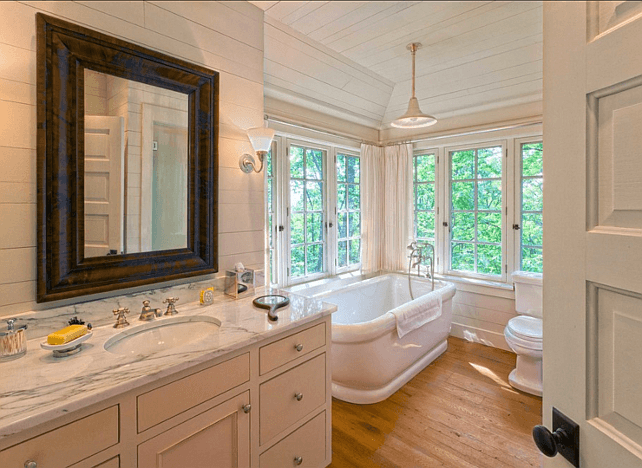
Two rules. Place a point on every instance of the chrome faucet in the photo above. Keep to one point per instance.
(171, 309)
(147, 313)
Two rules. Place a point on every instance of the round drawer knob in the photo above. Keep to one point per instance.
(298, 460)
(31, 464)
(246, 408)
(299, 347)
(298, 396)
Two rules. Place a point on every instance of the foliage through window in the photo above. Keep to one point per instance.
(348, 211)
(307, 237)
(476, 210)
(531, 207)
(423, 169)
(269, 169)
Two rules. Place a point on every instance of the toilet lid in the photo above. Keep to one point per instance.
(528, 328)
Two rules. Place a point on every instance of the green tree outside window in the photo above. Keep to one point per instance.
(476, 210)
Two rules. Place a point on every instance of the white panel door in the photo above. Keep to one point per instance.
(104, 188)
(593, 227)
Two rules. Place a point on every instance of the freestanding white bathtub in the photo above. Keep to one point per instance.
(369, 360)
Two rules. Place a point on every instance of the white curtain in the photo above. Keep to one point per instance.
(372, 206)
(397, 206)
(386, 206)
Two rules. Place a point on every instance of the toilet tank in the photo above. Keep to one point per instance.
(528, 293)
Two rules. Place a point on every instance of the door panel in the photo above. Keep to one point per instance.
(593, 219)
(104, 196)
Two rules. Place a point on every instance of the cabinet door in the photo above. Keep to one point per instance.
(217, 438)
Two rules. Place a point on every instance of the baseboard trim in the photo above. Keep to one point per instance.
(478, 335)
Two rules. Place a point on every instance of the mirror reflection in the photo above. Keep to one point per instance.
(136, 166)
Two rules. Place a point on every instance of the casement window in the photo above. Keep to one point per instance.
(313, 211)
(480, 206)
(270, 214)
(476, 211)
(530, 200)
(424, 193)
(308, 246)
(348, 198)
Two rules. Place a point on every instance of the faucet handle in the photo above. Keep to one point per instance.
(121, 321)
(171, 309)
(121, 311)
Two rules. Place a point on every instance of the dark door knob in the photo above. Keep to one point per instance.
(565, 440)
(549, 442)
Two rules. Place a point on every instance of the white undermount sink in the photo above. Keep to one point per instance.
(162, 334)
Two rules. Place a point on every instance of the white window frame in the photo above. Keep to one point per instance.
(517, 234)
(282, 245)
(334, 199)
(438, 197)
(506, 175)
(285, 184)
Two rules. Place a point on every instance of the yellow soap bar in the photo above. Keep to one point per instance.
(67, 334)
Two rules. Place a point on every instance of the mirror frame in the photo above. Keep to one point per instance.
(64, 50)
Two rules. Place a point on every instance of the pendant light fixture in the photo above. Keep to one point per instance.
(413, 118)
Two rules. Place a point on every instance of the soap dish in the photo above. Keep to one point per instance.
(66, 349)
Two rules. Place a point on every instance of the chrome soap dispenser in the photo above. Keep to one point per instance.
(13, 341)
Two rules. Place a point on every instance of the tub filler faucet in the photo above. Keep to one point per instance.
(416, 259)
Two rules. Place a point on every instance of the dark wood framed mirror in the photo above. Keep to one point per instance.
(128, 197)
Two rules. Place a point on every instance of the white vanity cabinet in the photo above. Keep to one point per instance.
(218, 437)
(267, 405)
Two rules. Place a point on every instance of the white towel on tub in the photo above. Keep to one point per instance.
(416, 315)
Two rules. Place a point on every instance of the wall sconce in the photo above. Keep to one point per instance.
(261, 139)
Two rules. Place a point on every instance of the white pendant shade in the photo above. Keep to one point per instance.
(413, 118)
(261, 138)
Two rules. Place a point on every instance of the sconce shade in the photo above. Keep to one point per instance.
(261, 138)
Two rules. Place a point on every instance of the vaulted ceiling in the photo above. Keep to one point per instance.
(351, 57)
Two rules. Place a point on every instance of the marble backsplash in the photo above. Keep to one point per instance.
(41, 323)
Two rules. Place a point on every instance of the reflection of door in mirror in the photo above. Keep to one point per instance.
(136, 198)
(169, 187)
(164, 181)
(104, 154)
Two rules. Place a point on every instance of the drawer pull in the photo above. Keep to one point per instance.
(31, 464)
(299, 347)
(298, 460)
(298, 396)
(246, 408)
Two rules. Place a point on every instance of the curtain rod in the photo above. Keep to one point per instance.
(439, 137)
(472, 132)
(324, 132)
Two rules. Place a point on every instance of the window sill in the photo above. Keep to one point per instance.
(479, 286)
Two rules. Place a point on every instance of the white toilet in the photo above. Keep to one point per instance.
(524, 333)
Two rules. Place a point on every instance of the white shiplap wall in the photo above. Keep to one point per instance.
(300, 71)
(223, 36)
(482, 317)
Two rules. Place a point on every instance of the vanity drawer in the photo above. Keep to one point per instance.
(279, 406)
(283, 351)
(307, 443)
(68, 444)
(169, 400)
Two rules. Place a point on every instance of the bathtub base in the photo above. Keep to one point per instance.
(375, 395)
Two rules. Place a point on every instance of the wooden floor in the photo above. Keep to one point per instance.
(458, 412)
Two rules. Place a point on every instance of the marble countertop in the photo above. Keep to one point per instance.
(38, 387)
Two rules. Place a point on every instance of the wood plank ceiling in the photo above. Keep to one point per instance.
(476, 55)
